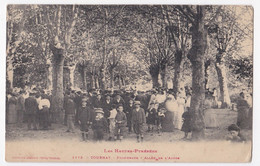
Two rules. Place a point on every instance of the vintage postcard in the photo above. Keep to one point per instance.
(129, 83)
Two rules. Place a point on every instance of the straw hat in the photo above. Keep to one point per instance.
(99, 110)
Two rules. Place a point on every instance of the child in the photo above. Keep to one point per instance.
(151, 118)
(159, 119)
(186, 126)
(99, 125)
(235, 135)
(120, 120)
(112, 121)
(138, 121)
(85, 119)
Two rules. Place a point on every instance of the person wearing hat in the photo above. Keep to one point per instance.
(44, 111)
(70, 111)
(38, 97)
(99, 125)
(85, 98)
(168, 121)
(186, 125)
(98, 100)
(128, 111)
(152, 98)
(160, 117)
(119, 100)
(120, 120)
(12, 108)
(65, 102)
(242, 112)
(234, 134)
(20, 106)
(107, 106)
(78, 101)
(138, 120)
(112, 121)
(151, 116)
(86, 118)
(31, 109)
(91, 97)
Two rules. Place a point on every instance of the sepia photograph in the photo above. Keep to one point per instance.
(129, 83)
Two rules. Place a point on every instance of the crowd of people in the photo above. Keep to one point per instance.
(111, 112)
(107, 112)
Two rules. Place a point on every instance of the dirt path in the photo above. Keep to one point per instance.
(15, 132)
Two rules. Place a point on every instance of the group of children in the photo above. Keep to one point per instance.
(118, 119)
(115, 124)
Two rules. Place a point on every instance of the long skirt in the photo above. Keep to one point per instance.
(167, 122)
(178, 118)
(12, 114)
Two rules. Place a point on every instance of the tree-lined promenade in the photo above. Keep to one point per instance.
(58, 48)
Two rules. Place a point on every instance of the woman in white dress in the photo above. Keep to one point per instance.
(172, 106)
(181, 103)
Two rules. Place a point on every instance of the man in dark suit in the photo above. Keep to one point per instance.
(91, 97)
(128, 111)
(70, 111)
(31, 110)
(118, 100)
(86, 118)
(106, 105)
(138, 121)
(98, 101)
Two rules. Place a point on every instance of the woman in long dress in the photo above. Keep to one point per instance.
(12, 109)
(171, 107)
(167, 119)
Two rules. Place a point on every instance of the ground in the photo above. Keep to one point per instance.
(58, 145)
(221, 119)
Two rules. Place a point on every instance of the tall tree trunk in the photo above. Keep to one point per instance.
(198, 96)
(155, 80)
(92, 78)
(57, 95)
(96, 82)
(112, 76)
(9, 57)
(196, 56)
(177, 71)
(83, 74)
(102, 78)
(93, 81)
(72, 73)
(222, 79)
(85, 78)
(103, 83)
(207, 64)
(59, 51)
(154, 72)
(164, 76)
(120, 82)
(49, 75)
(11, 50)
(10, 74)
